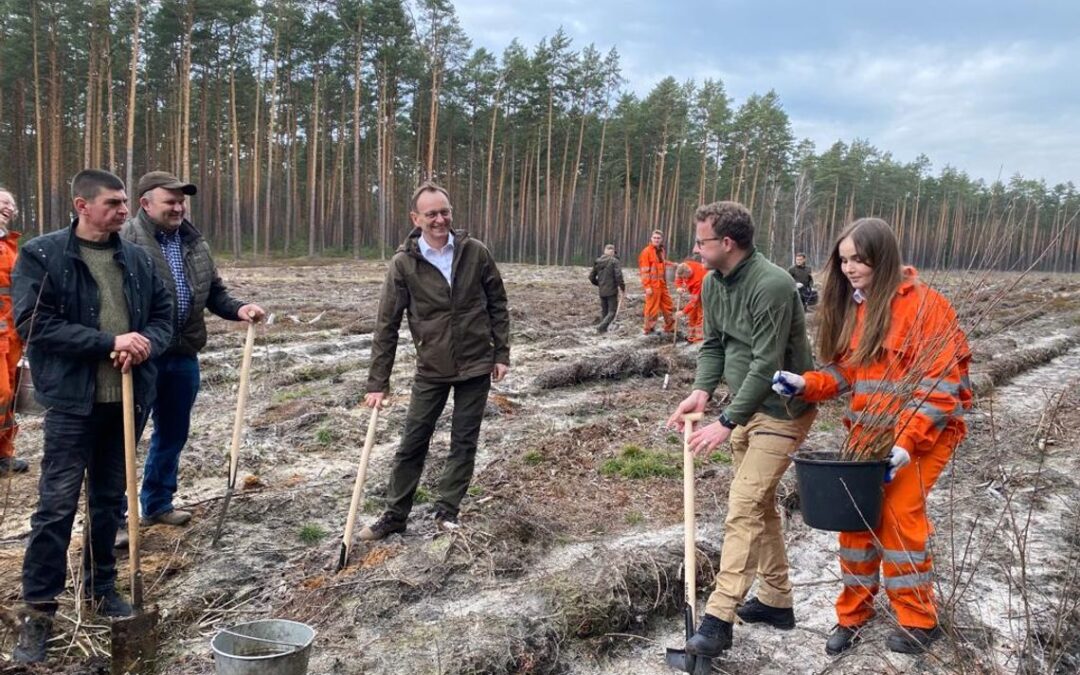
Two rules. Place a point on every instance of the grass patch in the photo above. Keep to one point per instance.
(475, 491)
(286, 395)
(311, 534)
(533, 457)
(635, 518)
(634, 462)
(422, 496)
(325, 436)
(720, 458)
(673, 439)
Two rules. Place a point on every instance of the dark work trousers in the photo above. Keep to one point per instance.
(425, 406)
(76, 446)
(608, 305)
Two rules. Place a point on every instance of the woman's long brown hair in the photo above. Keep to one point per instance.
(876, 244)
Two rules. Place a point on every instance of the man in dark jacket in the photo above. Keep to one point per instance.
(460, 326)
(804, 281)
(82, 295)
(182, 259)
(607, 276)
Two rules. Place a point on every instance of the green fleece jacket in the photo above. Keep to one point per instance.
(754, 326)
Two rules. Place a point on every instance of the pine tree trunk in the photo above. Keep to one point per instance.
(313, 156)
(38, 129)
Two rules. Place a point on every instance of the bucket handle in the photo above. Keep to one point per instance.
(273, 642)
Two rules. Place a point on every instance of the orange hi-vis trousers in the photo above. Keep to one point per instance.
(656, 303)
(10, 345)
(695, 319)
(897, 548)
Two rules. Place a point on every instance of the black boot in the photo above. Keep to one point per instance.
(112, 604)
(913, 640)
(756, 611)
(842, 639)
(711, 639)
(34, 629)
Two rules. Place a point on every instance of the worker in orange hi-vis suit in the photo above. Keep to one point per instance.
(894, 345)
(10, 345)
(652, 265)
(688, 277)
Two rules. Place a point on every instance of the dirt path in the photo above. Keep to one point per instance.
(566, 565)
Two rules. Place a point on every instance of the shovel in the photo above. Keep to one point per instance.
(238, 426)
(134, 638)
(358, 491)
(678, 658)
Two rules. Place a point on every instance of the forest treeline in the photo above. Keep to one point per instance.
(306, 126)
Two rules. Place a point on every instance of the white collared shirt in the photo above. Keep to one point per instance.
(442, 259)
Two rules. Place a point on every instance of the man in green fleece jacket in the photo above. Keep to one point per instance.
(753, 322)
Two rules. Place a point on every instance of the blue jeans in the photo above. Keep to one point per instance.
(76, 446)
(177, 387)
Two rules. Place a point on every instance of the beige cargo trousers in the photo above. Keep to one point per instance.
(753, 539)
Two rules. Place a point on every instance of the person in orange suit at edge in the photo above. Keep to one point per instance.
(652, 266)
(894, 345)
(10, 345)
(688, 277)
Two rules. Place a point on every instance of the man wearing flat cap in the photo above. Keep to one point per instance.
(182, 258)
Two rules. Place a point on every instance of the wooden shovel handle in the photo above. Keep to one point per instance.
(241, 403)
(361, 475)
(689, 524)
(131, 479)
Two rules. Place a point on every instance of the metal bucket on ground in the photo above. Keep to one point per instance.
(266, 647)
(25, 403)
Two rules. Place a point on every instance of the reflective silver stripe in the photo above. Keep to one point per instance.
(909, 580)
(965, 382)
(5, 290)
(841, 383)
(936, 415)
(3, 325)
(870, 420)
(903, 557)
(940, 386)
(861, 580)
(859, 554)
(883, 387)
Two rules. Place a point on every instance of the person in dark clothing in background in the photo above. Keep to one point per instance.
(607, 276)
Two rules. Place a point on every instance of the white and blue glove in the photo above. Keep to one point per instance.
(897, 460)
(788, 384)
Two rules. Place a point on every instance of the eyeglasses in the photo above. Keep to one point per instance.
(432, 215)
(699, 242)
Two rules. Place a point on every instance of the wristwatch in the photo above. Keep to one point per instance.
(727, 422)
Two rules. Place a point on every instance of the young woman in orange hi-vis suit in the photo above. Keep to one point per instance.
(894, 345)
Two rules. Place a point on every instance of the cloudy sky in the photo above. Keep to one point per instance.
(990, 87)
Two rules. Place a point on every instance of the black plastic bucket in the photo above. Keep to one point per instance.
(839, 495)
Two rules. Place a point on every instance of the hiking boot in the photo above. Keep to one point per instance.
(34, 629)
(174, 517)
(756, 611)
(446, 521)
(913, 640)
(121, 538)
(112, 604)
(711, 639)
(842, 639)
(386, 525)
(13, 465)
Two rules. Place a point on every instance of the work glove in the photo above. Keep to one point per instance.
(798, 285)
(788, 384)
(897, 460)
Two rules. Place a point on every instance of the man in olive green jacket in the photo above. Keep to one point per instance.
(753, 321)
(454, 295)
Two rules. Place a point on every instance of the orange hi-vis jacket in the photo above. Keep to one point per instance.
(10, 345)
(916, 387)
(651, 267)
(692, 284)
